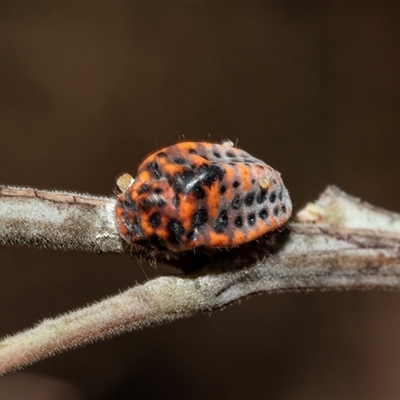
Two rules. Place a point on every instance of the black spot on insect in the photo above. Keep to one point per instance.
(274, 181)
(209, 174)
(280, 196)
(155, 241)
(272, 197)
(236, 184)
(205, 157)
(143, 189)
(154, 220)
(176, 201)
(253, 181)
(276, 211)
(179, 161)
(230, 154)
(199, 192)
(261, 196)
(203, 170)
(222, 189)
(170, 180)
(236, 202)
(161, 154)
(251, 219)
(216, 154)
(191, 235)
(161, 202)
(188, 175)
(157, 191)
(128, 203)
(249, 199)
(145, 204)
(263, 214)
(218, 171)
(283, 209)
(134, 229)
(222, 222)
(154, 169)
(175, 231)
(192, 151)
(200, 218)
(183, 180)
(238, 222)
(232, 163)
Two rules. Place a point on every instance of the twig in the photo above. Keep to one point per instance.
(60, 220)
(349, 245)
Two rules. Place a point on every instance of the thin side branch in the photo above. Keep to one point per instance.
(337, 251)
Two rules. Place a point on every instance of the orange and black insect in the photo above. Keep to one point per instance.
(201, 194)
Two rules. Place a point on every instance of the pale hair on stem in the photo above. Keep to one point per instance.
(337, 243)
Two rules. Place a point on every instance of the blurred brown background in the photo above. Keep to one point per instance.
(88, 89)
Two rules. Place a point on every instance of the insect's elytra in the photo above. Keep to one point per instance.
(195, 194)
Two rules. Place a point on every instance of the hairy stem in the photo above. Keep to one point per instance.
(59, 220)
(340, 243)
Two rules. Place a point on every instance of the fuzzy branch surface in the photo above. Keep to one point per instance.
(338, 243)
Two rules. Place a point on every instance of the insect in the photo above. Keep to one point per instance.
(195, 194)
